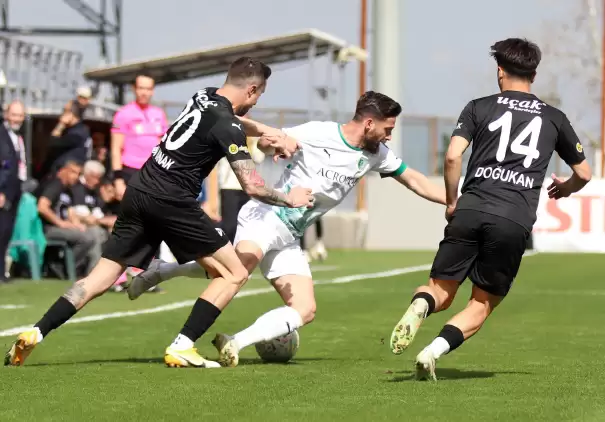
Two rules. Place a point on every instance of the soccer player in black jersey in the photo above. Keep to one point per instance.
(160, 205)
(514, 135)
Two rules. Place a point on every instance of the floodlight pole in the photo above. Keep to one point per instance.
(602, 164)
(361, 187)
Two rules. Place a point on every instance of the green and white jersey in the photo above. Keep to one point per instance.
(329, 166)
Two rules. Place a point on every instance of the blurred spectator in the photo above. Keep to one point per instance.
(79, 105)
(110, 205)
(100, 152)
(70, 141)
(13, 172)
(55, 204)
(137, 129)
(88, 205)
(318, 250)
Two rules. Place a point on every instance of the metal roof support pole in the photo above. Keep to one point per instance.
(28, 93)
(342, 88)
(120, 94)
(330, 91)
(311, 57)
(4, 68)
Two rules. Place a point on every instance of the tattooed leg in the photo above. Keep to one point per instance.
(76, 294)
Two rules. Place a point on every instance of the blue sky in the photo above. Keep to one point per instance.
(445, 44)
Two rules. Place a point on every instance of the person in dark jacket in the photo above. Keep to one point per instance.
(13, 172)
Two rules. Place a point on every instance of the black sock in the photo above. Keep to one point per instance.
(452, 335)
(201, 318)
(57, 315)
(429, 298)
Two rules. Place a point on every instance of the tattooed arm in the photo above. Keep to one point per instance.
(233, 143)
(254, 185)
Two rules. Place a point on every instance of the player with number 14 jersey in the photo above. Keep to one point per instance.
(513, 136)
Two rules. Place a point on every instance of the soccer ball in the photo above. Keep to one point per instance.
(280, 349)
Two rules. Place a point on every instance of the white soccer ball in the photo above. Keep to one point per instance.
(281, 349)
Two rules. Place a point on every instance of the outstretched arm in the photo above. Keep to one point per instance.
(254, 185)
(232, 140)
(421, 186)
(256, 129)
(272, 141)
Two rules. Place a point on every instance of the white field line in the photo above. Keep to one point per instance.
(10, 306)
(243, 293)
(314, 269)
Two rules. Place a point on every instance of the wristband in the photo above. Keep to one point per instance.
(118, 174)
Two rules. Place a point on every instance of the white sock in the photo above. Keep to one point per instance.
(273, 324)
(439, 347)
(170, 270)
(39, 336)
(182, 342)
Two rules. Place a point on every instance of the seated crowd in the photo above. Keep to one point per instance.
(78, 206)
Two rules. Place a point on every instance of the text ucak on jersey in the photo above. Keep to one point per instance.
(528, 106)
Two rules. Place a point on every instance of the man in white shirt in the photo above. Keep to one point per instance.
(13, 172)
(331, 160)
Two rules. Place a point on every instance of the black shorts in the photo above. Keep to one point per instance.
(145, 221)
(483, 247)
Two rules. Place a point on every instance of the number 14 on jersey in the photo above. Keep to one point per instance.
(532, 130)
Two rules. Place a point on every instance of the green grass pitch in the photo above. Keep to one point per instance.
(538, 358)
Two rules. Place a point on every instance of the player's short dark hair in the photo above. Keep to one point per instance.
(142, 75)
(518, 57)
(72, 162)
(376, 105)
(106, 181)
(246, 68)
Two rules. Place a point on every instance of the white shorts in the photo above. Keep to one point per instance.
(256, 222)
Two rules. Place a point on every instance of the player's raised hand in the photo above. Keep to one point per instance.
(285, 146)
(300, 197)
(558, 188)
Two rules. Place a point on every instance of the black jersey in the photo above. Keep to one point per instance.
(205, 131)
(513, 136)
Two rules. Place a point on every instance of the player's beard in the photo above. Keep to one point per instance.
(242, 110)
(371, 146)
(15, 128)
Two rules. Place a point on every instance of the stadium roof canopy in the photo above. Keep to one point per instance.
(213, 61)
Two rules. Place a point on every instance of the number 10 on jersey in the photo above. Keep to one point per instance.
(532, 130)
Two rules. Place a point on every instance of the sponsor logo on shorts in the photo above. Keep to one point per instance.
(579, 147)
(233, 149)
(220, 232)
